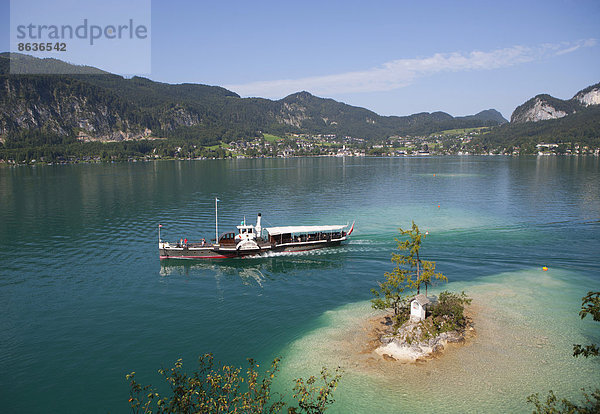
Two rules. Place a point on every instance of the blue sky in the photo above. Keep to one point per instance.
(394, 57)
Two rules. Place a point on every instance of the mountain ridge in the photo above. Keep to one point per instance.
(103, 106)
(546, 119)
(545, 107)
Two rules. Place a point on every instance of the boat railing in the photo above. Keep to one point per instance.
(190, 243)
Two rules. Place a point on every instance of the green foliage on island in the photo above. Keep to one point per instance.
(410, 273)
(590, 305)
(448, 313)
(444, 315)
(216, 388)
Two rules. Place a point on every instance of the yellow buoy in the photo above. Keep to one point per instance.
(544, 268)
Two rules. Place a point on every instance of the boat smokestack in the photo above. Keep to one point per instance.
(258, 227)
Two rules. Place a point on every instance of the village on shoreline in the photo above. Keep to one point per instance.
(451, 142)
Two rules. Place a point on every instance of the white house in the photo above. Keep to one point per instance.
(417, 307)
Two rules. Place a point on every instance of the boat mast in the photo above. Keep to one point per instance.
(216, 221)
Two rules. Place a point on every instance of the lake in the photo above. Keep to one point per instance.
(85, 299)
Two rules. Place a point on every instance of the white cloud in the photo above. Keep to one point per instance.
(403, 72)
(564, 48)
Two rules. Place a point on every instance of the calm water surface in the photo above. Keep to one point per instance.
(85, 299)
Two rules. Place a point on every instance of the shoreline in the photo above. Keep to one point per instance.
(5, 163)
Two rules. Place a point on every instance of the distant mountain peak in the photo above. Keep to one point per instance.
(488, 115)
(540, 108)
(589, 96)
(491, 115)
(302, 96)
(544, 107)
(18, 63)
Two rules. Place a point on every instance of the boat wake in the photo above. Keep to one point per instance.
(315, 252)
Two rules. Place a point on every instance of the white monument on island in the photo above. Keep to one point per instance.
(417, 307)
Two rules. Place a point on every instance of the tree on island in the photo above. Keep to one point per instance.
(590, 305)
(224, 389)
(409, 274)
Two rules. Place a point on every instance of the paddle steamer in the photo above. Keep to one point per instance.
(254, 240)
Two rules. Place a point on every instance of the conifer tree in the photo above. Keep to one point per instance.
(409, 273)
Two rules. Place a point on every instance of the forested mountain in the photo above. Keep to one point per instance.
(545, 119)
(25, 64)
(544, 107)
(104, 106)
(57, 113)
(582, 127)
(487, 115)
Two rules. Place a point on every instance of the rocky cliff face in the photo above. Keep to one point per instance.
(543, 107)
(55, 106)
(66, 106)
(537, 109)
(589, 96)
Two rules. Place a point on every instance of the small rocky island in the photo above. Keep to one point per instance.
(419, 326)
(431, 324)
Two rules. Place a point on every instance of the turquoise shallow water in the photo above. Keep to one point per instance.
(85, 299)
(525, 328)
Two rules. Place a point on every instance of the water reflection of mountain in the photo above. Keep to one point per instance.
(251, 269)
